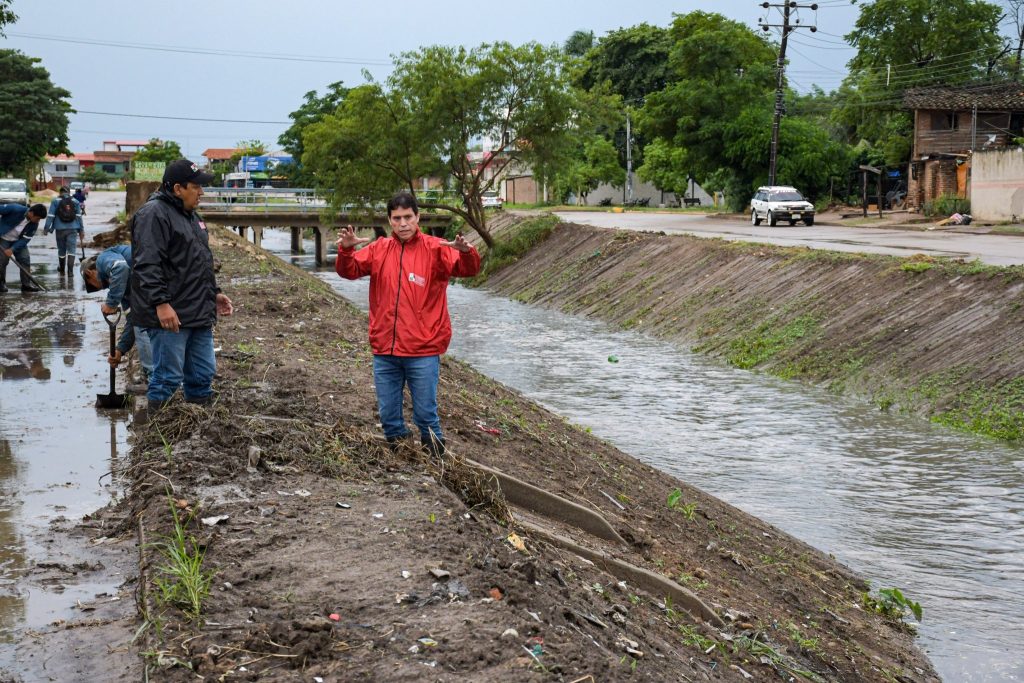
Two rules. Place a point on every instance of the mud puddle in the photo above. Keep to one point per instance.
(56, 453)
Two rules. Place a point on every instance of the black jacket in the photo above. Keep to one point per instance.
(172, 263)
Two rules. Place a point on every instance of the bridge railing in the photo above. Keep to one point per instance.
(263, 199)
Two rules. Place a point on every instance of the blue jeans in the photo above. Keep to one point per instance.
(67, 242)
(181, 359)
(21, 256)
(421, 373)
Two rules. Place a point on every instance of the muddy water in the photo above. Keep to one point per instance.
(903, 502)
(55, 447)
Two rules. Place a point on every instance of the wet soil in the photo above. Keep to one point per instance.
(335, 558)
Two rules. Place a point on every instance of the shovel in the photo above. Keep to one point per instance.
(112, 400)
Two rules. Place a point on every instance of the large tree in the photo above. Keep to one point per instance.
(721, 80)
(33, 112)
(423, 122)
(159, 150)
(313, 109)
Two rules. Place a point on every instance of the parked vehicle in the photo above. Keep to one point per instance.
(776, 203)
(13, 191)
(490, 200)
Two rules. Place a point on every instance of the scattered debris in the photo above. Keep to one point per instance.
(215, 520)
(516, 542)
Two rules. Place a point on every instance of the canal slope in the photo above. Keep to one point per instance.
(931, 337)
(332, 557)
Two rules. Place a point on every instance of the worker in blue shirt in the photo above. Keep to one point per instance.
(65, 217)
(111, 269)
(14, 237)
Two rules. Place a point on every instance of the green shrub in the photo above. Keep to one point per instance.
(519, 241)
(947, 205)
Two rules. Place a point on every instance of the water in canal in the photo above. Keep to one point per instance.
(903, 502)
(55, 447)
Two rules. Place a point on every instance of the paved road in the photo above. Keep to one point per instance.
(999, 250)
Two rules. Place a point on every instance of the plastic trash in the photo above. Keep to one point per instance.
(613, 359)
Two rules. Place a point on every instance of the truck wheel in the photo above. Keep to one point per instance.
(754, 220)
(772, 221)
(809, 221)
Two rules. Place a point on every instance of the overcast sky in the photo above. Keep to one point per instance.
(313, 42)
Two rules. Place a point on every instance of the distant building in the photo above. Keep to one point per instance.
(123, 145)
(216, 155)
(951, 123)
(61, 169)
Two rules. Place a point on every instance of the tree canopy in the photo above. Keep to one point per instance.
(159, 150)
(34, 115)
(6, 16)
(423, 121)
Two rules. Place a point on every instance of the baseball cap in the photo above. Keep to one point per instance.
(183, 171)
(87, 265)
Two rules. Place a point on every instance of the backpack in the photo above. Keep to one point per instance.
(66, 210)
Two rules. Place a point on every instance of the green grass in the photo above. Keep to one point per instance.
(181, 580)
(768, 339)
(526, 235)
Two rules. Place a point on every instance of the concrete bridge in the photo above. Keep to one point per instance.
(245, 209)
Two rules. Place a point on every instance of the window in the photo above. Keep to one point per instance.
(62, 168)
(109, 168)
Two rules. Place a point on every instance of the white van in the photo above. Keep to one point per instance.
(13, 191)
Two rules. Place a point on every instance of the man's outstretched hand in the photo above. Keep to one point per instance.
(347, 238)
(459, 243)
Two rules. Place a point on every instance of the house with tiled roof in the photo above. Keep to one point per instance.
(219, 154)
(951, 123)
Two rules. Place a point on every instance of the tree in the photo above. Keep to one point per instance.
(6, 16)
(94, 176)
(598, 162)
(34, 115)
(424, 120)
(720, 74)
(313, 109)
(577, 44)
(159, 150)
(631, 63)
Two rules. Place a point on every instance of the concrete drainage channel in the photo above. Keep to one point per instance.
(529, 497)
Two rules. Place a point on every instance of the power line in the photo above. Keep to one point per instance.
(204, 51)
(181, 118)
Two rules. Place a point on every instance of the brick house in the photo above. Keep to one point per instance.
(950, 124)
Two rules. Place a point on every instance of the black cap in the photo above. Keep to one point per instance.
(183, 172)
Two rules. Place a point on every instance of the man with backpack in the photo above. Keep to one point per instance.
(14, 240)
(65, 217)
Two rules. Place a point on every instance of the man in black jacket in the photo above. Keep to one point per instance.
(174, 292)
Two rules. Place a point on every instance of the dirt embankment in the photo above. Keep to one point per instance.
(940, 339)
(332, 557)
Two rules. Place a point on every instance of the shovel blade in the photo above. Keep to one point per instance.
(111, 401)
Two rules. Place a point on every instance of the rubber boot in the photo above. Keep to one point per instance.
(435, 447)
(200, 401)
(395, 443)
(60, 265)
(71, 266)
(3, 286)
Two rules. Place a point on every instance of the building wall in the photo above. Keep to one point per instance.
(997, 185)
(520, 190)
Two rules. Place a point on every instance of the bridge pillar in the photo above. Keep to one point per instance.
(241, 230)
(296, 239)
(379, 231)
(320, 235)
(257, 236)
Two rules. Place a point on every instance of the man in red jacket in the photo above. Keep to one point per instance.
(409, 324)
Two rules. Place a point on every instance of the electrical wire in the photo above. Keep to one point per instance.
(182, 118)
(203, 51)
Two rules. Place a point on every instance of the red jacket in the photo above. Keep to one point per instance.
(408, 291)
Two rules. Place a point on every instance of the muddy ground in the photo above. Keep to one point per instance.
(930, 337)
(331, 557)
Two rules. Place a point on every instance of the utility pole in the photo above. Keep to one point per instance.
(629, 161)
(787, 8)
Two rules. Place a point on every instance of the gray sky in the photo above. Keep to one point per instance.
(341, 37)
